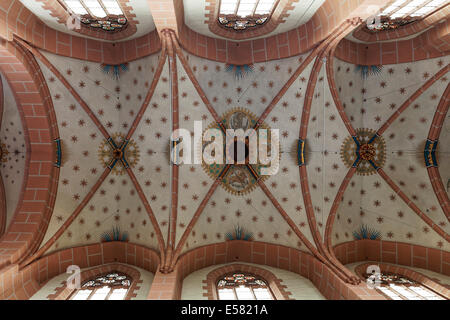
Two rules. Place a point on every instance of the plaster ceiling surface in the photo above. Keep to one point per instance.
(116, 203)
(140, 9)
(326, 133)
(444, 154)
(369, 200)
(253, 93)
(195, 16)
(14, 150)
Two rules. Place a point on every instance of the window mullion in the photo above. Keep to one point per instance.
(413, 292)
(400, 7)
(418, 7)
(87, 8)
(254, 8)
(237, 7)
(253, 292)
(109, 293)
(398, 293)
(103, 6)
(235, 293)
(92, 293)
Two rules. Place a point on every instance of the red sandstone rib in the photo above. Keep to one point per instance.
(72, 91)
(413, 207)
(150, 213)
(151, 90)
(69, 221)
(434, 134)
(413, 97)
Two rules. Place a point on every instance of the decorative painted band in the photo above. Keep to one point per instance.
(430, 153)
(301, 152)
(58, 153)
(406, 254)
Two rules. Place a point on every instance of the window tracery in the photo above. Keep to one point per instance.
(240, 286)
(98, 14)
(398, 287)
(402, 12)
(111, 286)
(241, 15)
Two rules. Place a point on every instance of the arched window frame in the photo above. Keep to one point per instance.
(277, 289)
(99, 282)
(59, 10)
(111, 22)
(235, 280)
(278, 15)
(236, 22)
(392, 17)
(64, 292)
(409, 277)
(397, 287)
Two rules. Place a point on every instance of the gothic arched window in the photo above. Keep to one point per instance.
(245, 14)
(111, 286)
(401, 12)
(398, 287)
(240, 286)
(98, 14)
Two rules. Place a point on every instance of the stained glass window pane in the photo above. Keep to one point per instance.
(414, 8)
(427, 294)
(391, 294)
(76, 6)
(398, 3)
(246, 8)
(264, 6)
(228, 6)
(398, 287)
(243, 286)
(226, 294)
(95, 8)
(244, 293)
(416, 3)
(436, 3)
(118, 294)
(262, 294)
(101, 293)
(112, 7)
(82, 294)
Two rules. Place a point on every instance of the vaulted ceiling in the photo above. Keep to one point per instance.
(315, 77)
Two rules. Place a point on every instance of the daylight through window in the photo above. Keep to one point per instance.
(98, 14)
(112, 286)
(397, 287)
(244, 14)
(239, 286)
(402, 12)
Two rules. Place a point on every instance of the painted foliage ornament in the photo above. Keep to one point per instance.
(118, 154)
(239, 179)
(366, 151)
